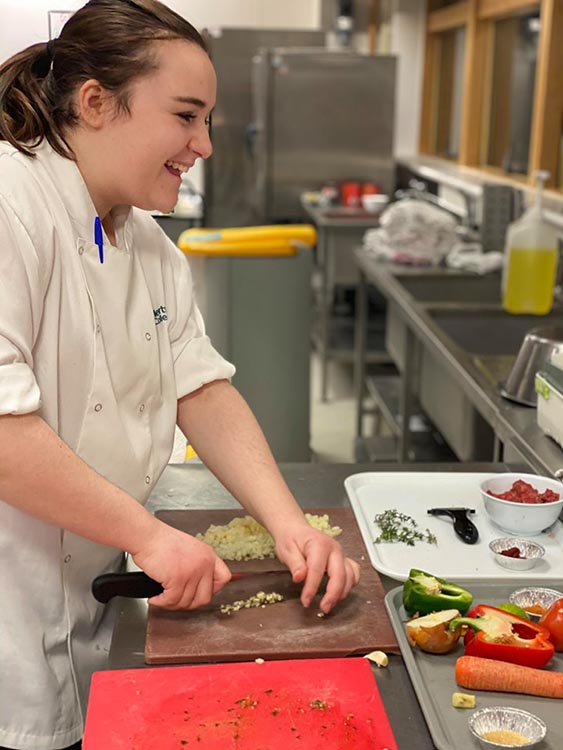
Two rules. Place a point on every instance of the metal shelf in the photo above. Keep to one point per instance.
(425, 444)
(424, 448)
(341, 340)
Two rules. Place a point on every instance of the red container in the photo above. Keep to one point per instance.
(370, 188)
(350, 194)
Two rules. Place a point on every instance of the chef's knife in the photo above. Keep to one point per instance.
(139, 585)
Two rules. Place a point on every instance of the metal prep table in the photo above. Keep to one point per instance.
(340, 229)
(192, 486)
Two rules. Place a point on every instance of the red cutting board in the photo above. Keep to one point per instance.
(358, 624)
(312, 704)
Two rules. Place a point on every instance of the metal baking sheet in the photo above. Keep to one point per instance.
(432, 676)
(413, 493)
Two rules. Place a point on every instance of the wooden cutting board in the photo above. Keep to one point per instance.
(308, 704)
(286, 630)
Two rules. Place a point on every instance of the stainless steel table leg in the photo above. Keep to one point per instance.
(324, 312)
(407, 380)
(360, 343)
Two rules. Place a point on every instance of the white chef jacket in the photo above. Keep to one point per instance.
(102, 352)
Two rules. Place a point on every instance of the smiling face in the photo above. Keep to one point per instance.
(137, 158)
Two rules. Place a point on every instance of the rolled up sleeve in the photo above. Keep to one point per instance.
(196, 361)
(20, 315)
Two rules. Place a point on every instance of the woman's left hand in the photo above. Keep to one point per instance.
(309, 554)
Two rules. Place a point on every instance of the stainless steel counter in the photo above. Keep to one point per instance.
(475, 374)
(321, 485)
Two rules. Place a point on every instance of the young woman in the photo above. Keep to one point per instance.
(103, 351)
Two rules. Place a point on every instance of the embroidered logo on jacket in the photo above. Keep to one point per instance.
(160, 314)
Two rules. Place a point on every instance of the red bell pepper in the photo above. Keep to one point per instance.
(496, 634)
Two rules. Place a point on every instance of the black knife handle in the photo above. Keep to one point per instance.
(135, 585)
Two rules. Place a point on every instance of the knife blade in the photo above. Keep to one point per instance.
(139, 585)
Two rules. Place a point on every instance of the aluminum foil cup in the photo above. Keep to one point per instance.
(535, 595)
(531, 553)
(536, 350)
(512, 719)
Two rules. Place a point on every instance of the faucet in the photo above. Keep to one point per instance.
(419, 189)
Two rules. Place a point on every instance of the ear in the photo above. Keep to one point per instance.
(94, 103)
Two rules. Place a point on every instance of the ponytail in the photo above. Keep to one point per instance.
(25, 105)
(38, 85)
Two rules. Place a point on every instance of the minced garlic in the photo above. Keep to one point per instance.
(245, 539)
(261, 599)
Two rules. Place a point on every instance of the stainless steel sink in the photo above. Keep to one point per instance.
(490, 340)
(489, 332)
(461, 348)
(428, 287)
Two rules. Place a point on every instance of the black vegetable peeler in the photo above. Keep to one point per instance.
(463, 526)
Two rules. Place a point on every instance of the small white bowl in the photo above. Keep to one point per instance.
(523, 519)
(512, 719)
(531, 553)
(535, 595)
(374, 201)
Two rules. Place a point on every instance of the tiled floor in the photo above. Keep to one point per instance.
(333, 422)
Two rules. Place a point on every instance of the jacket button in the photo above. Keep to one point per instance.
(142, 408)
(98, 327)
(148, 336)
(80, 250)
(98, 407)
(68, 558)
(147, 480)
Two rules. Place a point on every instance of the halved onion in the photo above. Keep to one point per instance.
(432, 633)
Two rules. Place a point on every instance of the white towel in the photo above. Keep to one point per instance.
(412, 232)
(470, 257)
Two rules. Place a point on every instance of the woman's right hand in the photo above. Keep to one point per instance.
(189, 570)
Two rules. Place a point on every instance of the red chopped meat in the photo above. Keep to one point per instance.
(522, 492)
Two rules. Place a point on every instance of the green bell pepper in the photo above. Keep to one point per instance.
(425, 593)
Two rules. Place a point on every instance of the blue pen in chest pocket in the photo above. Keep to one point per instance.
(99, 237)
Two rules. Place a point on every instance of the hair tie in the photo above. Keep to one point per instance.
(50, 49)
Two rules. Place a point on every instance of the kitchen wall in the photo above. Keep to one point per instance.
(24, 22)
(407, 39)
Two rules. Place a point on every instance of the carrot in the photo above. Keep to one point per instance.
(476, 673)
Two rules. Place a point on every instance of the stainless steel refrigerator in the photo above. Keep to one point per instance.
(291, 116)
(230, 172)
(319, 116)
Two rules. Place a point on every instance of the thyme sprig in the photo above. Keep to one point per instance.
(398, 527)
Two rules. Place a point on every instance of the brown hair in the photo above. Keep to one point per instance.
(107, 40)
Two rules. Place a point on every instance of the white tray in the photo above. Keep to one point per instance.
(413, 493)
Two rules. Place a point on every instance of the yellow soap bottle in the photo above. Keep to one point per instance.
(530, 260)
